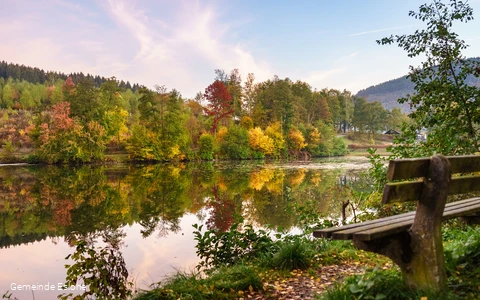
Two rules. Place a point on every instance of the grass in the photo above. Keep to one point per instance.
(380, 284)
(224, 283)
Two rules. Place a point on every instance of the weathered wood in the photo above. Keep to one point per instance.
(402, 192)
(385, 227)
(327, 232)
(427, 268)
(401, 169)
(365, 230)
(404, 225)
(398, 192)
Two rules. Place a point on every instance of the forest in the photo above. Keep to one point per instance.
(55, 118)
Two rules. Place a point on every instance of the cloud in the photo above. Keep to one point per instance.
(182, 52)
(379, 30)
(317, 78)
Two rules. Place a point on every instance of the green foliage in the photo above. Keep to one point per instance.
(443, 101)
(160, 135)
(462, 253)
(292, 255)
(225, 283)
(230, 247)
(235, 143)
(102, 270)
(377, 172)
(339, 147)
(7, 153)
(329, 144)
(378, 284)
(206, 146)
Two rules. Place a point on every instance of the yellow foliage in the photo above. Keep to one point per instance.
(274, 131)
(297, 177)
(314, 137)
(221, 133)
(315, 180)
(222, 186)
(275, 185)
(246, 122)
(296, 140)
(174, 152)
(257, 179)
(259, 141)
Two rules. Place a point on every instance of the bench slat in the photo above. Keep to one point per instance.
(411, 191)
(327, 232)
(343, 233)
(400, 169)
(380, 232)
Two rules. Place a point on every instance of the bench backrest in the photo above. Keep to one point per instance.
(461, 167)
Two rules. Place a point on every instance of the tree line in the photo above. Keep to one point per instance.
(75, 119)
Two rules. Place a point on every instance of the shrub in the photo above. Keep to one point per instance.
(230, 247)
(235, 143)
(207, 145)
(291, 256)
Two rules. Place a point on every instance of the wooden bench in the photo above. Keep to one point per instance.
(413, 240)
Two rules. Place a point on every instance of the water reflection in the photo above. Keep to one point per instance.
(130, 207)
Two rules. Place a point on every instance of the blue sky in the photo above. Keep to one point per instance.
(329, 44)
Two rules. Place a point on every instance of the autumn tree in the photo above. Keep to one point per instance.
(249, 93)
(323, 109)
(220, 103)
(161, 133)
(260, 142)
(62, 139)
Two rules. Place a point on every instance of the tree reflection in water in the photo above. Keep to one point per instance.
(87, 204)
(101, 269)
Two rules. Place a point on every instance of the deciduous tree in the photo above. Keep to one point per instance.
(220, 103)
(443, 102)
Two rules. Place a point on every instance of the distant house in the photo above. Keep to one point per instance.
(391, 131)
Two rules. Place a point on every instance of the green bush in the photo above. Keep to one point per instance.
(206, 146)
(235, 143)
(230, 247)
(339, 147)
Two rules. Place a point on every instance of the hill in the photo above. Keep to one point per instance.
(35, 75)
(390, 91)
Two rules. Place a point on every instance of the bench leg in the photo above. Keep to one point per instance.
(419, 252)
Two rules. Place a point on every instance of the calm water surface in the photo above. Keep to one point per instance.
(148, 211)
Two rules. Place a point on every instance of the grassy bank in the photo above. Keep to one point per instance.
(299, 266)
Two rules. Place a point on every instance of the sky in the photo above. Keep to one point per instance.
(179, 43)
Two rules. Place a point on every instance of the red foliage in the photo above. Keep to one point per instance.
(50, 90)
(223, 212)
(61, 116)
(220, 102)
(68, 85)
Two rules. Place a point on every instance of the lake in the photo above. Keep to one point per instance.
(147, 211)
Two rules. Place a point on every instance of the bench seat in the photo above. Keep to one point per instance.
(375, 229)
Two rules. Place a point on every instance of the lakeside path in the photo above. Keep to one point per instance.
(306, 284)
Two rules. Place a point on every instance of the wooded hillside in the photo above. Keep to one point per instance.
(388, 92)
